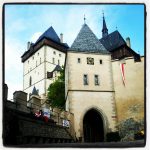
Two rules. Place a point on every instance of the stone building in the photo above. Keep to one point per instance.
(41, 62)
(104, 79)
(104, 83)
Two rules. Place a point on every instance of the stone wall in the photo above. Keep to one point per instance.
(20, 126)
(129, 97)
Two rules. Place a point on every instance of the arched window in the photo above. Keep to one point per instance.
(30, 81)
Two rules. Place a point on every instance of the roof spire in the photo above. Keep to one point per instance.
(84, 19)
(104, 29)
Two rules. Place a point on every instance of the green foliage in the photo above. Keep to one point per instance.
(128, 128)
(56, 91)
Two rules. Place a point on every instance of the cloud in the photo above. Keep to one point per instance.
(13, 65)
(35, 36)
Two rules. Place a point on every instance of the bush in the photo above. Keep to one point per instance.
(129, 128)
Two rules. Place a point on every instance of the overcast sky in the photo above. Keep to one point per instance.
(25, 23)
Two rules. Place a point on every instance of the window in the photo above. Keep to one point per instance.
(28, 61)
(54, 52)
(30, 81)
(36, 63)
(79, 60)
(100, 61)
(96, 80)
(33, 57)
(59, 55)
(90, 61)
(85, 79)
(58, 62)
(40, 60)
(38, 54)
(53, 60)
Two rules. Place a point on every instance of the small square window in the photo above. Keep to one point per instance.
(85, 79)
(100, 61)
(90, 61)
(54, 52)
(79, 60)
(59, 55)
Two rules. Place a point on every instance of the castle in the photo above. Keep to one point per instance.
(104, 78)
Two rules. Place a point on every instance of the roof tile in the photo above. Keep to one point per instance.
(86, 41)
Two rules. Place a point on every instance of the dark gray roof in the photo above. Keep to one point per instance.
(50, 34)
(57, 68)
(112, 41)
(34, 91)
(104, 29)
(86, 41)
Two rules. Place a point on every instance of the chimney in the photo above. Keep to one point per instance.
(28, 45)
(61, 38)
(128, 42)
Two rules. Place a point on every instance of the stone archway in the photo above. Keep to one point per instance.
(93, 126)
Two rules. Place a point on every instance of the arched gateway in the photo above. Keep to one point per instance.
(93, 126)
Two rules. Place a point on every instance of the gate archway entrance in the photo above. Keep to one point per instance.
(93, 127)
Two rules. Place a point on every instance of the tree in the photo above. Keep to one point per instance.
(56, 91)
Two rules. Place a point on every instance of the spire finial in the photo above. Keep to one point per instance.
(84, 19)
(104, 29)
(116, 28)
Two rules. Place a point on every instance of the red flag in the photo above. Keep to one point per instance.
(122, 73)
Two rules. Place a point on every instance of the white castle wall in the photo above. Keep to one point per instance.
(37, 67)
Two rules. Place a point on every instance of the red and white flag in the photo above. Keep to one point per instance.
(122, 73)
(37, 114)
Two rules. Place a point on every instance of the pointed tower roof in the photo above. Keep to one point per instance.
(50, 34)
(86, 41)
(104, 29)
(113, 41)
(34, 91)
